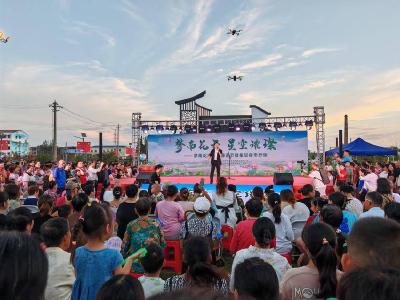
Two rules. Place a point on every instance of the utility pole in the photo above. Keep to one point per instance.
(55, 107)
(117, 140)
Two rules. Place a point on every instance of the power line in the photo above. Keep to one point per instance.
(82, 121)
(88, 119)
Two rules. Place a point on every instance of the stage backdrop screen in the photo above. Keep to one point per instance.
(251, 153)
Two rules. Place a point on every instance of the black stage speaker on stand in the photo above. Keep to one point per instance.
(283, 179)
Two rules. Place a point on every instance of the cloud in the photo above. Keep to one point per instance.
(269, 60)
(102, 98)
(312, 85)
(311, 52)
(255, 28)
(130, 9)
(83, 28)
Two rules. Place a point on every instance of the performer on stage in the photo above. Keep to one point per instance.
(155, 177)
(215, 157)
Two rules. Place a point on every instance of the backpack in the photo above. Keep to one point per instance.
(324, 176)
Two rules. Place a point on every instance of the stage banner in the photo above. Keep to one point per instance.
(244, 153)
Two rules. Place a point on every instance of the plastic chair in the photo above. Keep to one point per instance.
(227, 232)
(173, 256)
(298, 228)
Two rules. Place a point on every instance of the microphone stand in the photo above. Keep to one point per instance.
(229, 165)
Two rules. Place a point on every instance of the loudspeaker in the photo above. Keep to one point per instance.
(143, 177)
(283, 179)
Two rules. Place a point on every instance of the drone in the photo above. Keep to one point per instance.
(234, 31)
(3, 39)
(235, 77)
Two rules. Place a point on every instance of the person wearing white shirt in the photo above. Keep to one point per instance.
(283, 227)
(296, 211)
(61, 274)
(108, 193)
(318, 183)
(92, 171)
(373, 206)
(370, 179)
(152, 264)
(264, 234)
(226, 203)
(352, 204)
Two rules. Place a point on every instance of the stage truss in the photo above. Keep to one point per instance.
(140, 128)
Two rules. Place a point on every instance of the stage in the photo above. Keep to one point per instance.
(244, 184)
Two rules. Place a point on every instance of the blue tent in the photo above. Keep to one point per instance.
(359, 147)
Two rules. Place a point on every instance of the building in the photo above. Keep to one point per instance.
(14, 142)
(94, 150)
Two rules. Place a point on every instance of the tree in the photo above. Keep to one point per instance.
(44, 152)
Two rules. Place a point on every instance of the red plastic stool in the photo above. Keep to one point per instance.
(135, 275)
(227, 231)
(173, 256)
(288, 256)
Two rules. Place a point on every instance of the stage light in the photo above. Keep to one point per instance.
(262, 126)
(194, 129)
(202, 128)
(152, 128)
(292, 125)
(159, 128)
(237, 127)
(246, 127)
(277, 125)
(188, 128)
(174, 128)
(217, 127)
(209, 128)
(145, 128)
(253, 127)
(309, 124)
(231, 127)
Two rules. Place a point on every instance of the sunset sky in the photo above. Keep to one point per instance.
(107, 59)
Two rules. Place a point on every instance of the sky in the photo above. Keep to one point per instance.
(103, 60)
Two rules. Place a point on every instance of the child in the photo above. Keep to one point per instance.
(56, 235)
(242, 236)
(320, 277)
(152, 264)
(255, 279)
(20, 219)
(264, 234)
(121, 287)
(371, 283)
(23, 267)
(381, 237)
(284, 231)
(316, 206)
(95, 264)
(341, 175)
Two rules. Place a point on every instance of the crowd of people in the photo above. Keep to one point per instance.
(73, 232)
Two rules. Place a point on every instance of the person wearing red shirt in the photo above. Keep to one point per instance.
(81, 173)
(341, 176)
(243, 236)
